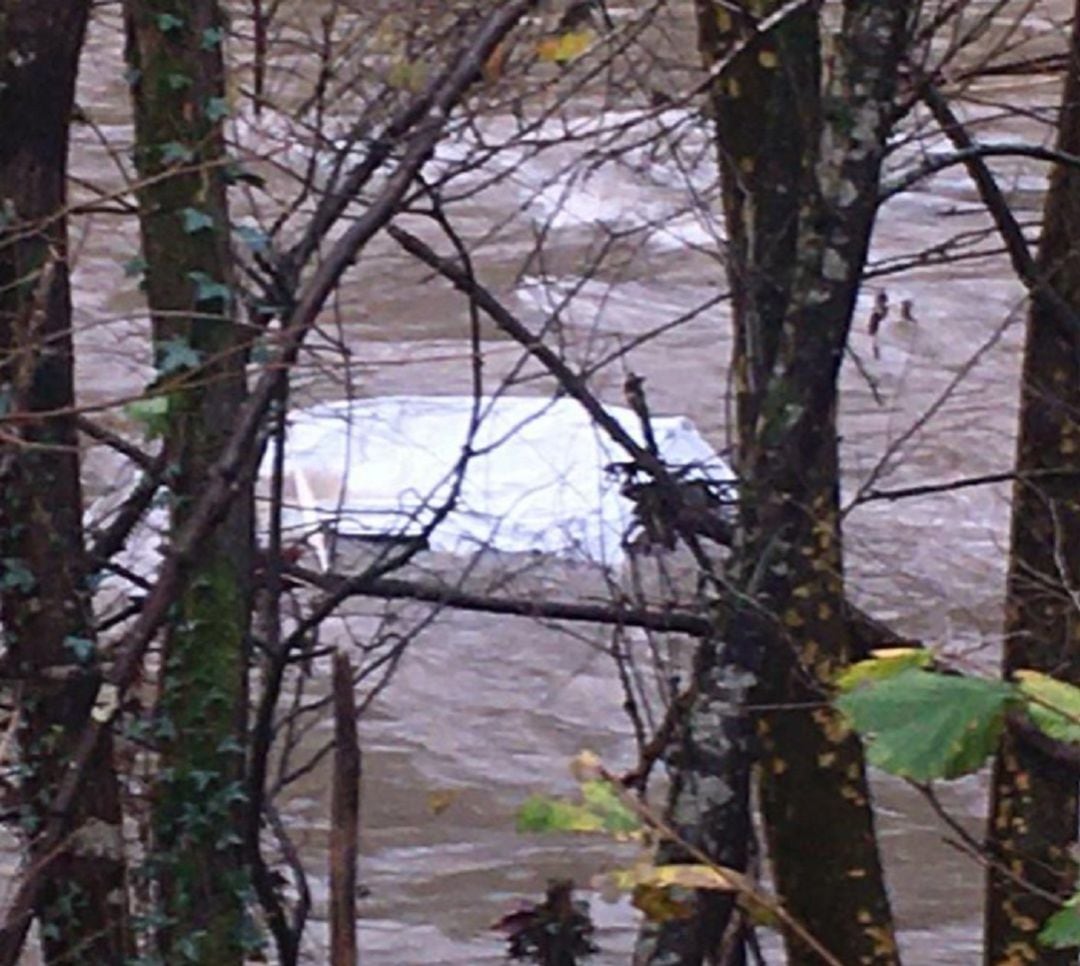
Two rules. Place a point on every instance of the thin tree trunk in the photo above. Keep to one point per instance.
(800, 193)
(175, 51)
(48, 626)
(709, 808)
(344, 818)
(1033, 810)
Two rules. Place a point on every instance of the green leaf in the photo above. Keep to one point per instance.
(176, 81)
(212, 37)
(925, 726)
(81, 647)
(260, 352)
(176, 355)
(538, 813)
(151, 413)
(209, 289)
(1062, 929)
(196, 220)
(173, 152)
(601, 810)
(216, 108)
(255, 238)
(1052, 704)
(135, 267)
(15, 575)
(883, 664)
(602, 800)
(169, 22)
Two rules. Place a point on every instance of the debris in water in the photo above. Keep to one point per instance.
(557, 932)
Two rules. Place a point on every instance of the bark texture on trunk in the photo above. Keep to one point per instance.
(46, 607)
(801, 132)
(175, 51)
(1033, 811)
(709, 808)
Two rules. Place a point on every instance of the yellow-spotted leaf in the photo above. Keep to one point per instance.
(439, 800)
(1052, 704)
(924, 726)
(883, 664)
(653, 887)
(659, 905)
(564, 47)
(693, 877)
(683, 876)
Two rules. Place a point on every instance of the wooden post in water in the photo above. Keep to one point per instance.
(344, 818)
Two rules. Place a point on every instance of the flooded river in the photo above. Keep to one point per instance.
(600, 226)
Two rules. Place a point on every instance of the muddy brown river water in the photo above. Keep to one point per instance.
(489, 709)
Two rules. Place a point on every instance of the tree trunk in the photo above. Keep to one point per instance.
(709, 808)
(48, 626)
(1033, 811)
(175, 51)
(800, 160)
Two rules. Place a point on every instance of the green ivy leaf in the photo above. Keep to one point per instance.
(1062, 929)
(216, 108)
(209, 289)
(81, 647)
(175, 355)
(196, 221)
(260, 352)
(135, 267)
(1052, 704)
(176, 81)
(169, 22)
(255, 238)
(15, 575)
(151, 413)
(212, 37)
(173, 152)
(926, 726)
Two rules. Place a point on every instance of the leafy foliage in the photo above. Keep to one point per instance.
(925, 725)
(1052, 704)
(209, 289)
(600, 811)
(177, 355)
(564, 47)
(1062, 929)
(152, 413)
(196, 220)
(656, 888)
(884, 664)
